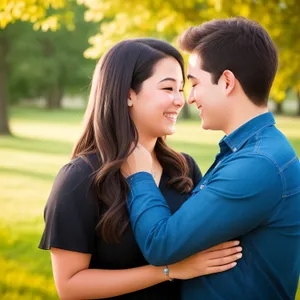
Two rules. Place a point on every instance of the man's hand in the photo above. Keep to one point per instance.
(139, 160)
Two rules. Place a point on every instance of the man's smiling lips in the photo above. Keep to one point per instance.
(200, 109)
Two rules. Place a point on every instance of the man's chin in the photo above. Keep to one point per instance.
(205, 126)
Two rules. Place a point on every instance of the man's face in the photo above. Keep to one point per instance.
(209, 98)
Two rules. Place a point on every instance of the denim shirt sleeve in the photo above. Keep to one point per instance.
(240, 196)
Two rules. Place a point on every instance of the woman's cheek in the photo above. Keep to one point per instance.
(168, 100)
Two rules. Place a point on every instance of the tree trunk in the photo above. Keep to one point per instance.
(54, 97)
(279, 108)
(298, 100)
(55, 92)
(4, 127)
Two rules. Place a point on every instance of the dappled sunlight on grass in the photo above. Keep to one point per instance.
(46, 131)
(24, 275)
(60, 125)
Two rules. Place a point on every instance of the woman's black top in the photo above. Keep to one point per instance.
(72, 213)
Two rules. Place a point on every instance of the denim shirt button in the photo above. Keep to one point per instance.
(202, 186)
(234, 149)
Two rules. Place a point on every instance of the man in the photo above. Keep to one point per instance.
(252, 190)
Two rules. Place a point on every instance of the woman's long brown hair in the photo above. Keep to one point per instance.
(109, 131)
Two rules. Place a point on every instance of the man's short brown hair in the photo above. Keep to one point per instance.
(237, 44)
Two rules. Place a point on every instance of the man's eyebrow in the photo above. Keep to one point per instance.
(189, 76)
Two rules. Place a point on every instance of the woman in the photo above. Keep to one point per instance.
(136, 96)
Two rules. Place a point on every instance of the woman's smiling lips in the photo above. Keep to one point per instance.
(171, 116)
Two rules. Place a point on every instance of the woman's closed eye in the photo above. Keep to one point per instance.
(171, 89)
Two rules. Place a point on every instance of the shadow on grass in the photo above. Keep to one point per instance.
(35, 175)
(36, 145)
(33, 114)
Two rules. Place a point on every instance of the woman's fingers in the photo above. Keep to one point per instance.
(224, 252)
(222, 264)
(219, 269)
(207, 262)
(224, 260)
(225, 245)
(139, 160)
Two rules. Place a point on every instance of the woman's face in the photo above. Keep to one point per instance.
(156, 107)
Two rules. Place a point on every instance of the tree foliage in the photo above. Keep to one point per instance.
(169, 19)
(46, 14)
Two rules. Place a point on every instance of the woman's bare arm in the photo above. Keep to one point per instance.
(74, 279)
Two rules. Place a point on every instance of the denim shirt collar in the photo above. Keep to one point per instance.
(239, 137)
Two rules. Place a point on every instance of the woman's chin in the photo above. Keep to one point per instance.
(170, 130)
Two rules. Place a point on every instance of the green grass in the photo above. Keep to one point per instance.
(29, 161)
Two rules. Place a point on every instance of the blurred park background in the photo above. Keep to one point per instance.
(48, 50)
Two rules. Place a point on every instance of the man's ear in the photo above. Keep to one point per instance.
(229, 81)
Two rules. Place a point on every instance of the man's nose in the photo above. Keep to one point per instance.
(191, 98)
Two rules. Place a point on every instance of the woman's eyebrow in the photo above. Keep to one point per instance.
(169, 78)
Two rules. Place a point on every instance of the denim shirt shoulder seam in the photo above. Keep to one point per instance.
(278, 170)
(252, 134)
(295, 158)
(258, 143)
(293, 191)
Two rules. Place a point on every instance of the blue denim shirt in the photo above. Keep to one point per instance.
(250, 193)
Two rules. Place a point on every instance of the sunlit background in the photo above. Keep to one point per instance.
(48, 50)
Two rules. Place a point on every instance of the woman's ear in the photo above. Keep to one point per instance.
(131, 97)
